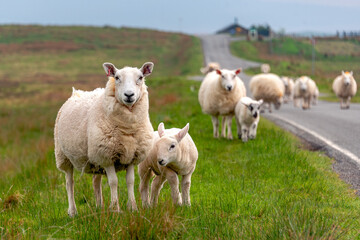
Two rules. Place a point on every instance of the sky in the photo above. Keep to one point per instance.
(188, 16)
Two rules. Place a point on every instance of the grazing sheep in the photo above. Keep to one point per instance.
(210, 67)
(269, 87)
(345, 88)
(105, 131)
(247, 114)
(289, 87)
(218, 95)
(305, 89)
(174, 153)
(265, 68)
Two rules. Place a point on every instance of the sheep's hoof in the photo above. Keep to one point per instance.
(230, 137)
(72, 212)
(132, 206)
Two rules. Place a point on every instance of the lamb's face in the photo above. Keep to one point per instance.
(128, 81)
(228, 78)
(167, 150)
(254, 108)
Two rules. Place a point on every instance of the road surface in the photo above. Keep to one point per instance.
(325, 126)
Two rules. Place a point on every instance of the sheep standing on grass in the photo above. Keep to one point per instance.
(247, 114)
(218, 95)
(105, 131)
(174, 153)
(305, 89)
(269, 88)
(212, 66)
(289, 87)
(345, 88)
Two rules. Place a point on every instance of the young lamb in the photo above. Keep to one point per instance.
(105, 131)
(218, 95)
(210, 67)
(269, 87)
(174, 153)
(265, 68)
(289, 87)
(305, 88)
(345, 88)
(247, 114)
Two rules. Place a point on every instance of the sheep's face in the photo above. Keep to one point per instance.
(228, 78)
(167, 147)
(347, 77)
(253, 107)
(128, 81)
(303, 84)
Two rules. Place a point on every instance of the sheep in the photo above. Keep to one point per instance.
(247, 114)
(210, 67)
(265, 68)
(305, 88)
(289, 87)
(344, 86)
(269, 87)
(218, 95)
(105, 131)
(315, 96)
(173, 153)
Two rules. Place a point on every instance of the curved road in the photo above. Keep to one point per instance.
(325, 126)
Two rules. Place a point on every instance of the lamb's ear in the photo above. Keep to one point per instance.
(147, 68)
(260, 101)
(161, 129)
(244, 102)
(237, 71)
(181, 134)
(110, 69)
(218, 71)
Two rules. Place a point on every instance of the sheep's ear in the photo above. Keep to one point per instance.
(244, 103)
(218, 71)
(351, 73)
(181, 134)
(147, 68)
(110, 69)
(260, 101)
(161, 129)
(343, 73)
(237, 71)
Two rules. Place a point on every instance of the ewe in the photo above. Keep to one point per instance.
(105, 131)
(305, 88)
(289, 87)
(345, 88)
(218, 95)
(174, 153)
(247, 114)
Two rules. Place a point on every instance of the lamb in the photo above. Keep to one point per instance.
(265, 68)
(344, 86)
(247, 114)
(210, 67)
(269, 87)
(218, 95)
(173, 153)
(305, 88)
(289, 87)
(105, 131)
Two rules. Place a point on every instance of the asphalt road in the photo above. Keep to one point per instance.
(325, 126)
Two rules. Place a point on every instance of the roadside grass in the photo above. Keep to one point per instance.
(268, 188)
(292, 57)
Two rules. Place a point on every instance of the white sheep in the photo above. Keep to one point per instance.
(218, 95)
(315, 96)
(247, 114)
(265, 68)
(105, 131)
(268, 87)
(345, 88)
(174, 153)
(305, 89)
(289, 87)
(210, 67)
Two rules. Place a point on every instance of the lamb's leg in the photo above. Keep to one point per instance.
(244, 134)
(228, 123)
(173, 180)
(252, 131)
(185, 189)
(130, 180)
(113, 183)
(145, 175)
(98, 191)
(156, 186)
(69, 176)
(223, 127)
(215, 122)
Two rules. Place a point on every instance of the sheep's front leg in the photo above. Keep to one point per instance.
(223, 127)
(252, 131)
(145, 175)
(185, 189)
(348, 102)
(113, 183)
(215, 122)
(130, 180)
(69, 176)
(228, 123)
(98, 191)
(270, 110)
(173, 180)
(156, 186)
(238, 125)
(244, 134)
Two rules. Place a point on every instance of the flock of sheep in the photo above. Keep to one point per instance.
(108, 129)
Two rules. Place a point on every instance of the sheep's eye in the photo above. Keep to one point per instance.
(141, 78)
(117, 78)
(251, 108)
(172, 146)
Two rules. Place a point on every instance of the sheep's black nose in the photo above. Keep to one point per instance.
(255, 115)
(161, 162)
(229, 88)
(129, 94)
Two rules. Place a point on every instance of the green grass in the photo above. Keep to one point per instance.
(268, 188)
